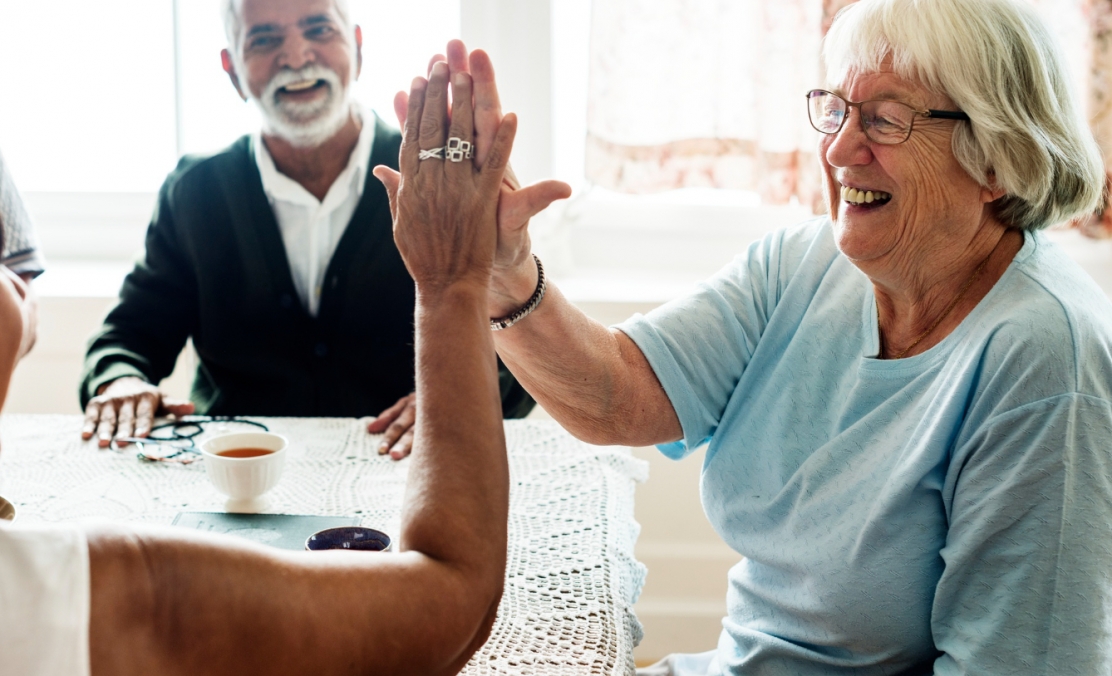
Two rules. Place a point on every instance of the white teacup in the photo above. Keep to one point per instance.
(245, 480)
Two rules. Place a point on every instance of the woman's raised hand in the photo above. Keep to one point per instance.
(443, 202)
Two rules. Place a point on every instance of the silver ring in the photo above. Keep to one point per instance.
(459, 150)
(431, 154)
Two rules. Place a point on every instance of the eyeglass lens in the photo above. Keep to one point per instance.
(885, 122)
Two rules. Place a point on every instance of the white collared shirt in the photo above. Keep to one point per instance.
(310, 228)
(44, 601)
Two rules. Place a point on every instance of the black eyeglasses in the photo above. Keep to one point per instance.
(885, 122)
(174, 441)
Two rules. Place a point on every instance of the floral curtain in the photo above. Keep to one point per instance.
(709, 93)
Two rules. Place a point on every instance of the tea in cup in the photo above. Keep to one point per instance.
(244, 466)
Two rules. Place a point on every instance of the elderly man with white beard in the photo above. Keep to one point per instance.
(275, 256)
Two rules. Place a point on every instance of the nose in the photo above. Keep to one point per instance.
(849, 146)
(297, 52)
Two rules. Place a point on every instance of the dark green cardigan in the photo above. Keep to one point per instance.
(215, 270)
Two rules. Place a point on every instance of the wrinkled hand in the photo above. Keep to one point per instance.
(445, 212)
(514, 274)
(396, 426)
(126, 407)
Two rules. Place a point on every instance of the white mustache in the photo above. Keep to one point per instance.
(310, 72)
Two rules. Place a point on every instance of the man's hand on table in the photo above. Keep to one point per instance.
(126, 407)
(396, 423)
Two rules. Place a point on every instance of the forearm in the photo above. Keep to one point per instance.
(177, 602)
(593, 380)
(457, 495)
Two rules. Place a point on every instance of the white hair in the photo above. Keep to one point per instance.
(230, 10)
(996, 60)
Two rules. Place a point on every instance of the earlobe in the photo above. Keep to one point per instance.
(230, 69)
(992, 191)
(358, 51)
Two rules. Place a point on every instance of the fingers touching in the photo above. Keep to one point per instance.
(462, 120)
(432, 120)
(499, 156)
(488, 107)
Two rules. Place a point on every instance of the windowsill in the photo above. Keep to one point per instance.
(67, 278)
(102, 279)
(644, 267)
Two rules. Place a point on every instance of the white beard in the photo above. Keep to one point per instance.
(305, 125)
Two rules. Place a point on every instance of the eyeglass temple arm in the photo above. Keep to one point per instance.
(948, 115)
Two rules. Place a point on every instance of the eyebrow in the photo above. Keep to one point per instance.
(314, 20)
(885, 95)
(264, 28)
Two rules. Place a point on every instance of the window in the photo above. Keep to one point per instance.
(102, 98)
(89, 105)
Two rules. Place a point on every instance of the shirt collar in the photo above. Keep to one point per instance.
(278, 186)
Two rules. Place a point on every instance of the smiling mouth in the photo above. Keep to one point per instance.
(865, 198)
(303, 86)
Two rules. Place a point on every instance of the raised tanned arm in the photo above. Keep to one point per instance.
(180, 603)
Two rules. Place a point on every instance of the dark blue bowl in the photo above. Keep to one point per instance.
(353, 538)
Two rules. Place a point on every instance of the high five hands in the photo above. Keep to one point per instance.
(514, 274)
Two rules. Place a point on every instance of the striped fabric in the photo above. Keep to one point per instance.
(21, 251)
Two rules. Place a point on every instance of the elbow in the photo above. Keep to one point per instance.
(473, 614)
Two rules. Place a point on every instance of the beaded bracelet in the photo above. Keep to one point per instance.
(530, 305)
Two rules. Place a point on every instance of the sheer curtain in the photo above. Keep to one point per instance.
(709, 93)
(1098, 14)
(703, 93)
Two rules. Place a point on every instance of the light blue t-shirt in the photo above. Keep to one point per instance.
(947, 513)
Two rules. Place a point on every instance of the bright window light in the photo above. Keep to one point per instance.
(89, 102)
(93, 102)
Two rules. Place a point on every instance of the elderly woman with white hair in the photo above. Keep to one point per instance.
(908, 402)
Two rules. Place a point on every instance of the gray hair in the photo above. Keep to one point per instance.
(230, 10)
(997, 61)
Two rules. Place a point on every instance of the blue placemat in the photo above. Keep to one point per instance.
(285, 531)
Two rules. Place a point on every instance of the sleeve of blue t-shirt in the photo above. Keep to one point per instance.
(700, 344)
(1027, 582)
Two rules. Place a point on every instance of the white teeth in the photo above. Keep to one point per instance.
(855, 196)
(300, 86)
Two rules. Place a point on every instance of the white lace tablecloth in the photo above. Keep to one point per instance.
(571, 580)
